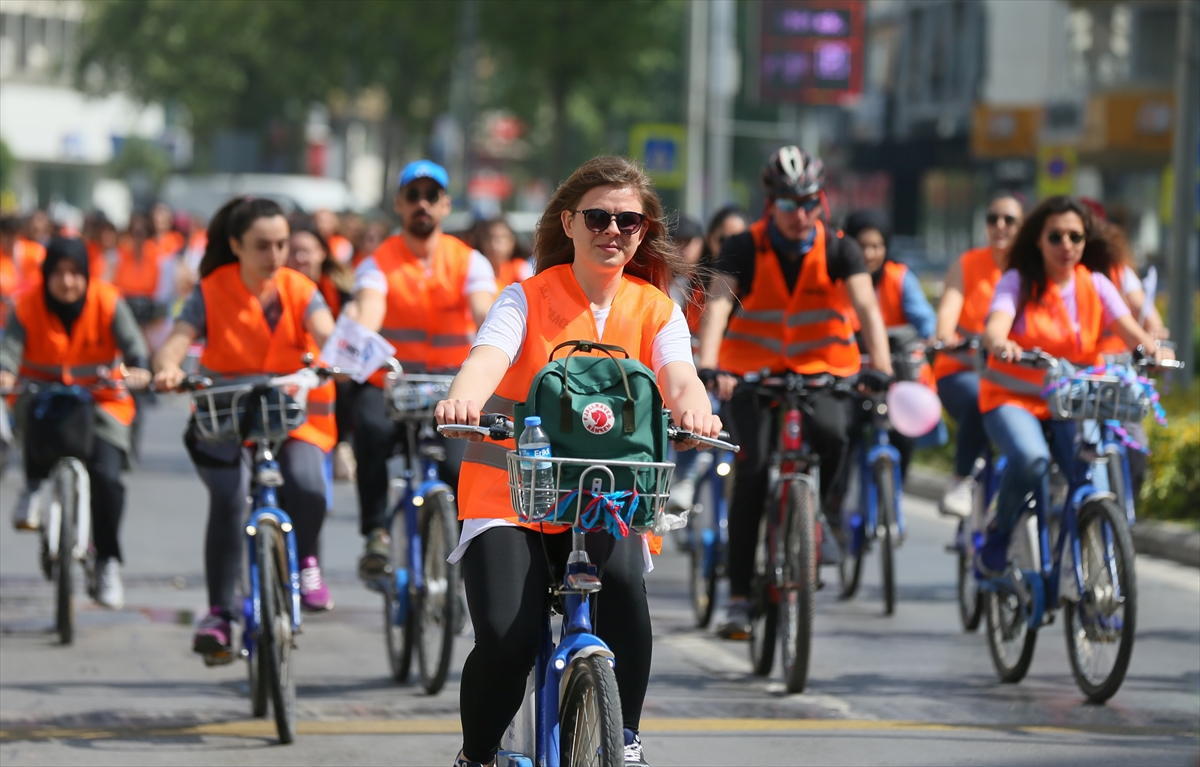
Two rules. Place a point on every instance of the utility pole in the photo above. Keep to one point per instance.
(723, 82)
(462, 98)
(693, 193)
(1184, 160)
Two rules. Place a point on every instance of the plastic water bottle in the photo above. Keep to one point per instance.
(537, 477)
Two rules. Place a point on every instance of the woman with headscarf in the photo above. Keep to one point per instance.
(75, 330)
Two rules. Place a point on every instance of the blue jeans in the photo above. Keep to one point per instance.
(1018, 435)
(959, 393)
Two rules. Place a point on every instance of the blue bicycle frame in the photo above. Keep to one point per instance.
(715, 536)
(266, 505)
(865, 520)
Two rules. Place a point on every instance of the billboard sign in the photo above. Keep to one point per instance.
(810, 51)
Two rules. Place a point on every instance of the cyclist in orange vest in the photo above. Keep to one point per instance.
(24, 255)
(257, 317)
(168, 240)
(326, 222)
(799, 285)
(1055, 297)
(76, 330)
(426, 293)
(966, 296)
(496, 240)
(604, 264)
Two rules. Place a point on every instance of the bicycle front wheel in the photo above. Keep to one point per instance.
(798, 593)
(437, 605)
(764, 601)
(885, 494)
(970, 601)
(1100, 626)
(64, 588)
(275, 632)
(398, 614)
(1010, 641)
(591, 733)
(703, 581)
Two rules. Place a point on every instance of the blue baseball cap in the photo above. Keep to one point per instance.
(424, 169)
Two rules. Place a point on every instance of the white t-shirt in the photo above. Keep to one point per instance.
(504, 329)
(480, 277)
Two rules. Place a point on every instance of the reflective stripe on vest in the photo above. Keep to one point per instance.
(1012, 383)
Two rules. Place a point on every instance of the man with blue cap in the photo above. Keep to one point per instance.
(426, 292)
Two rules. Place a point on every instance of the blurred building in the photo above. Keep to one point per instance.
(964, 98)
(63, 140)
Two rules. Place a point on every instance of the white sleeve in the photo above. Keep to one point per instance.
(673, 343)
(481, 278)
(369, 275)
(1129, 281)
(504, 326)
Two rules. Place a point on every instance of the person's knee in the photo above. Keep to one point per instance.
(1031, 465)
(511, 646)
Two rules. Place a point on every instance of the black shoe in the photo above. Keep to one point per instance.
(372, 565)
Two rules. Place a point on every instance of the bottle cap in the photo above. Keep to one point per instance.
(533, 420)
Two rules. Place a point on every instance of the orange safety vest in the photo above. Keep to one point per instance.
(1110, 342)
(558, 312)
(810, 331)
(137, 277)
(980, 275)
(27, 258)
(83, 355)
(331, 294)
(1047, 327)
(513, 270)
(169, 243)
(241, 343)
(428, 319)
(890, 294)
(340, 247)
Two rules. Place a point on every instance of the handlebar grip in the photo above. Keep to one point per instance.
(491, 419)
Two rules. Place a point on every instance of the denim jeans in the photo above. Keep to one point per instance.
(959, 393)
(1019, 436)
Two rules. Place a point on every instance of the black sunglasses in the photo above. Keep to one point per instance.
(597, 220)
(1056, 238)
(995, 218)
(412, 194)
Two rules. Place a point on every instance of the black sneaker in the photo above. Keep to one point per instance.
(372, 565)
(737, 621)
(462, 761)
(633, 750)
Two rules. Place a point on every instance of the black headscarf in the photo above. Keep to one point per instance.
(72, 250)
(861, 220)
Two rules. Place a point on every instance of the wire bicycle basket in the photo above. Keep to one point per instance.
(262, 410)
(1100, 393)
(412, 397)
(618, 496)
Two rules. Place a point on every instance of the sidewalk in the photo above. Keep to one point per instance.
(1169, 540)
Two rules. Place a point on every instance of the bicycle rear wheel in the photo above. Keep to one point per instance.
(970, 601)
(64, 587)
(885, 494)
(275, 633)
(1100, 626)
(398, 613)
(702, 550)
(591, 733)
(437, 605)
(764, 600)
(798, 593)
(854, 550)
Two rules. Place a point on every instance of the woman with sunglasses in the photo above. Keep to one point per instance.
(1054, 297)
(967, 293)
(604, 262)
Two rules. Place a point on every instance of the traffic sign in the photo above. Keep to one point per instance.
(662, 149)
(1056, 170)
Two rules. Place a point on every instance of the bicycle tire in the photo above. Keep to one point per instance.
(1081, 618)
(703, 581)
(64, 586)
(591, 732)
(398, 624)
(1116, 480)
(275, 633)
(885, 495)
(969, 598)
(853, 553)
(437, 605)
(764, 606)
(799, 591)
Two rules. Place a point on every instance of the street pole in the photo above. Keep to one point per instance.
(462, 98)
(723, 82)
(1184, 160)
(693, 193)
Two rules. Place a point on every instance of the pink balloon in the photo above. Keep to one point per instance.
(913, 409)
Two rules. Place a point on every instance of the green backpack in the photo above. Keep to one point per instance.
(601, 408)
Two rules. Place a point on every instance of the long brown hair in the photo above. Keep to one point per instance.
(657, 259)
(1026, 255)
(338, 273)
(233, 220)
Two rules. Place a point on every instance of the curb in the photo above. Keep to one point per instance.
(1168, 540)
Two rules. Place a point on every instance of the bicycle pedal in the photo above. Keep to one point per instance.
(584, 582)
(218, 659)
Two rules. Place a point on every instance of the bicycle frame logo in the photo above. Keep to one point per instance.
(598, 418)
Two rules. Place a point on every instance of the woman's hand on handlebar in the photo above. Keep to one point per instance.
(7, 380)
(137, 378)
(719, 382)
(168, 378)
(1007, 349)
(1163, 353)
(460, 411)
(701, 424)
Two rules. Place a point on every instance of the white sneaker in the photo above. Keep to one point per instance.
(110, 592)
(28, 514)
(958, 498)
(344, 465)
(683, 493)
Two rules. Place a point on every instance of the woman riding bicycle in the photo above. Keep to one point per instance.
(1055, 297)
(257, 318)
(604, 264)
(72, 329)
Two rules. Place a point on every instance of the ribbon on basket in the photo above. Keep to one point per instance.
(611, 512)
(1127, 377)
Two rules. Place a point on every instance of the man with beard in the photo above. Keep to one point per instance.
(426, 293)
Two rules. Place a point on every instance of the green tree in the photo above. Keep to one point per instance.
(7, 163)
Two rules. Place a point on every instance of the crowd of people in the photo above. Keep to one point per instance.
(700, 305)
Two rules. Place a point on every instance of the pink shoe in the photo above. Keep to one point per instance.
(314, 594)
(214, 634)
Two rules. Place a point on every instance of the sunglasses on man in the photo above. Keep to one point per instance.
(597, 220)
(994, 219)
(792, 204)
(414, 195)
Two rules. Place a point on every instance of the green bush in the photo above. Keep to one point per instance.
(1172, 484)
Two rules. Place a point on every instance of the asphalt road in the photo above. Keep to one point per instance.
(910, 689)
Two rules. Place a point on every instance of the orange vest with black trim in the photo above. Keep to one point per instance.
(137, 277)
(8, 287)
(81, 357)
(1110, 343)
(240, 342)
(428, 318)
(810, 331)
(331, 294)
(558, 312)
(1047, 327)
(980, 275)
(97, 262)
(890, 292)
(169, 243)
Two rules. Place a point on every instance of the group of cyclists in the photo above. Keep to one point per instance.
(701, 306)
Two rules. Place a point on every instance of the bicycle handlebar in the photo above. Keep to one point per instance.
(500, 427)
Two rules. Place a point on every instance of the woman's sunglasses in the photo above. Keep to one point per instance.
(995, 218)
(413, 195)
(1056, 238)
(597, 220)
(791, 204)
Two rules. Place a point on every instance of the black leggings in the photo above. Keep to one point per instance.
(826, 421)
(108, 494)
(302, 497)
(507, 581)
